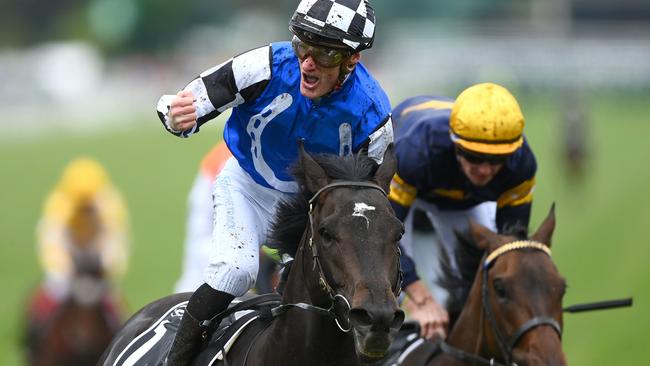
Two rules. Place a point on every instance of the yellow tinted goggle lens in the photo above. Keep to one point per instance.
(325, 57)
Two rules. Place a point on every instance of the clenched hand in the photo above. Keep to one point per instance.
(182, 112)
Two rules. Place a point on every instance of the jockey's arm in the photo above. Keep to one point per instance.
(422, 307)
(380, 139)
(227, 85)
(514, 207)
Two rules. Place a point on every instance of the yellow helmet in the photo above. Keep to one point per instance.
(486, 119)
(82, 179)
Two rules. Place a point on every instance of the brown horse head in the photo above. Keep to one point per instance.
(521, 293)
(354, 242)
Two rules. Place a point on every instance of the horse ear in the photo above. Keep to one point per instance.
(545, 231)
(484, 237)
(386, 169)
(315, 177)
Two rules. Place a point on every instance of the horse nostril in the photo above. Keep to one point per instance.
(398, 320)
(379, 320)
(360, 318)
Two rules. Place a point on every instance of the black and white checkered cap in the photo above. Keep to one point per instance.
(350, 22)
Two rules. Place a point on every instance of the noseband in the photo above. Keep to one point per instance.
(338, 301)
(507, 344)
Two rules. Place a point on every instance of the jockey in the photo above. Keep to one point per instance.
(313, 88)
(457, 160)
(84, 217)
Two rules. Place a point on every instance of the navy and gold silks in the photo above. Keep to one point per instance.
(429, 170)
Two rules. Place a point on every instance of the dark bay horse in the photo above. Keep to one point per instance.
(339, 304)
(76, 331)
(513, 310)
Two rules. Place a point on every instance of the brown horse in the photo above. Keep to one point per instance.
(77, 329)
(339, 304)
(513, 311)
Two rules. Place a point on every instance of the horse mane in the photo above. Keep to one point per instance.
(468, 258)
(291, 217)
(458, 283)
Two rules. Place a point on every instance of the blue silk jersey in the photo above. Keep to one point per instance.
(262, 133)
(428, 168)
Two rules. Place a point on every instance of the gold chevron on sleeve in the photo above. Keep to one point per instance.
(519, 195)
(432, 104)
(454, 194)
(402, 192)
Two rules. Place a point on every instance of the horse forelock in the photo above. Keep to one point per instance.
(291, 217)
(357, 167)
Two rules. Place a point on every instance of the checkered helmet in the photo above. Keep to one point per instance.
(346, 24)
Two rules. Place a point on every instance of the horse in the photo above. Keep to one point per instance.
(512, 313)
(339, 304)
(77, 330)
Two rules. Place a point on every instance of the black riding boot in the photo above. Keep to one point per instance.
(204, 304)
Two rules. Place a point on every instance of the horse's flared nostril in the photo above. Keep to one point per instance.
(398, 320)
(377, 320)
(360, 318)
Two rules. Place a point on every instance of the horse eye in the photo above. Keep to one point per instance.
(563, 289)
(499, 288)
(325, 236)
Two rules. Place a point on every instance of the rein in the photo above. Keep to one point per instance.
(505, 344)
(340, 306)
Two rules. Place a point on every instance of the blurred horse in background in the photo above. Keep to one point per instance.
(511, 305)
(575, 136)
(75, 328)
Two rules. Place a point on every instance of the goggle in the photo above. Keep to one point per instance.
(324, 57)
(479, 159)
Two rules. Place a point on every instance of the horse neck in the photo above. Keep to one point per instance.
(300, 279)
(465, 334)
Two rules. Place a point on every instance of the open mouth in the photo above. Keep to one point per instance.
(371, 347)
(310, 81)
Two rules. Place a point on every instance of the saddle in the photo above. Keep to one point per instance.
(408, 339)
(152, 346)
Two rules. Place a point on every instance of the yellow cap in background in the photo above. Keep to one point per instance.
(82, 179)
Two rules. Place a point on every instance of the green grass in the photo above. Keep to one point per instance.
(600, 245)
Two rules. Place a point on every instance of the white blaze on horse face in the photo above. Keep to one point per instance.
(360, 209)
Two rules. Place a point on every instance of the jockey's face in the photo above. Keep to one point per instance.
(479, 173)
(316, 80)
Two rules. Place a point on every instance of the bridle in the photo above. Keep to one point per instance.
(339, 306)
(506, 344)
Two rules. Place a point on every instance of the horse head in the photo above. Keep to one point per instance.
(521, 294)
(353, 250)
